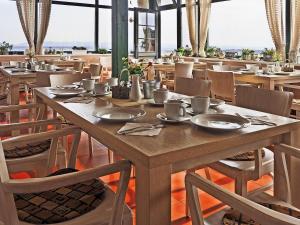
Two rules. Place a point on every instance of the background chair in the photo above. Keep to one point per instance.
(274, 102)
(78, 66)
(95, 202)
(258, 208)
(192, 87)
(36, 154)
(57, 80)
(95, 70)
(223, 85)
(200, 74)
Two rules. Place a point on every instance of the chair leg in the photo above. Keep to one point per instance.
(109, 156)
(91, 151)
(241, 186)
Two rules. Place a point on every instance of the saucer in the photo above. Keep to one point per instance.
(102, 94)
(163, 117)
(210, 111)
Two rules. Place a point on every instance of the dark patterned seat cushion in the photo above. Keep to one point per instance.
(234, 217)
(61, 204)
(27, 150)
(248, 156)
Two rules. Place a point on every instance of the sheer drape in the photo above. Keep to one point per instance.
(44, 17)
(274, 10)
(295, 29)
(143, 4)
(26, 11)
(190, 12)
(205, 8)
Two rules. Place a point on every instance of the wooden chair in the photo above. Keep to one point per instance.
(192, 87)
(274, 102)
(199, 74)
(66, 79)
(95, 70)
(184, 69)
(260, 214)
(223, 85)
(34, 154)
(78, 66)
(63, 192)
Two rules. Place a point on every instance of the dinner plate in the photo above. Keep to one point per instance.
(210, 111)
(284, 73)
(120, 114)
(67, 92)
(220, 122)
(163, 117)
(102, 94)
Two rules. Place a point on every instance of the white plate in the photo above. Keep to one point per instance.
(120, 114)
(216, 102)
(69, 86)
(210, 111)
(103, 94)
(220, 122)
(163, 117)
(284, 73)
(67, 92)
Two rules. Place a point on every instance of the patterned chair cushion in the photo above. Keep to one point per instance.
(61, 204)
(234, 217)
(248, 156)
(27, 150)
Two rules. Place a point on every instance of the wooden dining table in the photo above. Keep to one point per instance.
(268, 81)
(178, 147)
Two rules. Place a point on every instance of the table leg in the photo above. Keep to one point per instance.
(153, 195)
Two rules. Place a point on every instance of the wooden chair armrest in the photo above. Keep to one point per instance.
(12, 108)
(287, 149)
(260, 213)
(43, 136)
(19, 126)
(33, 185)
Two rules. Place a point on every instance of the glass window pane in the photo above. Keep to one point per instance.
(142, 18)
(11, 30)
(164, 2)
(168, 30)
(105, 33)
(151, 19)
(71, 26)
(104, 2)
(239, 24)
(80, 1)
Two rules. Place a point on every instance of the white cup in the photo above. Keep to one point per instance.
(160, 95)
(174, 109)
(200, 104)
(88, 84)
(112, 81)
(101, 88)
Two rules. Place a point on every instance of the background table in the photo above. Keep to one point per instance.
(178, 148)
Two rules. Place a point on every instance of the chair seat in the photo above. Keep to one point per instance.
(216, 219)
(99, 216)
(27, 150)
(244, 165)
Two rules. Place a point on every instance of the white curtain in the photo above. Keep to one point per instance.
(26, 10)
(44, 17)
(205, 8)
(190, 12)
(295, 29)
(143, 4)
(274, 10)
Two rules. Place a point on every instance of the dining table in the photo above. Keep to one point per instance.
(269, 81)
(178, 147)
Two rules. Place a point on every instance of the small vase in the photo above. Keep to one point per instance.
(135, 92)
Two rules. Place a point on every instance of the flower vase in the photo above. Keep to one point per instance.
(135, 91)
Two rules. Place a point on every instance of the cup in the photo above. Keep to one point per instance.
(112, 81)
(101, 88)
(200, 104)
(174, 109)
(88, 84)
(160, 95)
(36, 67)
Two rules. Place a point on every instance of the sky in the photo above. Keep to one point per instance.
(233, 24)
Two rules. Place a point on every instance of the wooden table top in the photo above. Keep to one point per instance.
(175, 143)
(8, 72)
(295, 75)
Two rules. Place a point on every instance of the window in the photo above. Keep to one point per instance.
(105, 32)
(168, 30)
(239, 24)
(80, 1)
(71, 26)
(11, 30)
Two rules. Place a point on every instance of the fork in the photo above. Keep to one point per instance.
(142, 128)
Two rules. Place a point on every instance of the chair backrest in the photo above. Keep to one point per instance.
(199, 74)
(193, 87)
(184, 69)
(66, 79)
(274, 102)
(221, 68)
(43, 78)
(78, 66)
(209, 65)
(223, 85)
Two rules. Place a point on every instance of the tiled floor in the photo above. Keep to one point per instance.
(208, 203)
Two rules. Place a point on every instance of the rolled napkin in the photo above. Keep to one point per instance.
(81, 99)
(142, 129)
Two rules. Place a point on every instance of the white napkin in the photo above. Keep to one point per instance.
(85, 100)
(150, 133)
